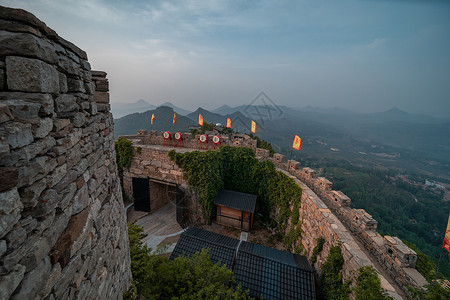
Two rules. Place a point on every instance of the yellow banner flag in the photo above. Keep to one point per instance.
(153, 117)
(174, 118)
(447, 236)
(297, 145)
(229, 122)
(200, 120)
(253, 127)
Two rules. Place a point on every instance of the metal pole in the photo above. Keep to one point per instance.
(439, 262)
(290, 155)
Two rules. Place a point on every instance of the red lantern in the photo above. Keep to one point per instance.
(167, 138)
(203, 142)
(216, 141)
(178, 139)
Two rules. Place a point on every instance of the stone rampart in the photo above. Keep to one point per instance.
(324, 213)
(390, 253)
(193, 141)
(63, 231)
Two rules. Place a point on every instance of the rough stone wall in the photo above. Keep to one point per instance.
(63, 231)
(152, 162)
(334, 220)
(190, 141)
(324, 213)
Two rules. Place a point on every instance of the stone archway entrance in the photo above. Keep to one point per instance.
(150, 194)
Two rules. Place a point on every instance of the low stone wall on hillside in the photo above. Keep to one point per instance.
(192, 141)
(63, 231)
(324, 213)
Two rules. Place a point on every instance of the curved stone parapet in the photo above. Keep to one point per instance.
(63, 232)
(324, 213)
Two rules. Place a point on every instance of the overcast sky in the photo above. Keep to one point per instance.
(364, 56)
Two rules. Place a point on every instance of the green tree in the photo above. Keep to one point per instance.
(368, 285)
(124, 153)
(432, 291)
(331, 283)
(157, 277)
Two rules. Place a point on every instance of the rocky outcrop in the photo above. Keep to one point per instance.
(63, 232)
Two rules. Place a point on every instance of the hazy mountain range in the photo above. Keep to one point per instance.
(393, 138)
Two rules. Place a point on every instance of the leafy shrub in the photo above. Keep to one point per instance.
(330, 282)
(196, 277)
(368, 285)
(124, 153)
(432, 291)
(317, 249)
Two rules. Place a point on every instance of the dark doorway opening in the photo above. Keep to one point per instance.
(181, 208)
(141, 193)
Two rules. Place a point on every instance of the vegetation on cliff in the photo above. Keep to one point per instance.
(368, 285)
(237, 169)
(157, 277)
(124, 153)
(330, 282)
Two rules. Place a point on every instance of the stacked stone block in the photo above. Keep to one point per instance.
(63, 231)
(192, 142)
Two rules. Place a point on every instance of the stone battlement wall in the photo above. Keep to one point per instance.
(63, 231)
(324, 213)
(192, 141)
(397, 259)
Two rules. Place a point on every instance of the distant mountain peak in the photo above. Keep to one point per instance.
(142, 102)
(396, 110)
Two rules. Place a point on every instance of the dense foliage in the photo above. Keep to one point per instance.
(317, 249)
(124, 153)
(432, 291)
(368, 285)
(331, 283)
(237, 169)
(156, 277)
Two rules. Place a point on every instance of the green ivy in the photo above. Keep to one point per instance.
(317, 249)
(292, 239)
(331, 282)
(124, 153)
(236, 168)
(368, 285)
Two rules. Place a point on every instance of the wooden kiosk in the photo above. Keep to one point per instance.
(235, 209)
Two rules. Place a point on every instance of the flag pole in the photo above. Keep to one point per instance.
(439, 262)
(290, 155)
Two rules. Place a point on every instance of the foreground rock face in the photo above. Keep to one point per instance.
(63, 231)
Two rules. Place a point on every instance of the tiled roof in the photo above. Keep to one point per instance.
(265, 271)
(272, 273)
(236, 200)
(221, 248)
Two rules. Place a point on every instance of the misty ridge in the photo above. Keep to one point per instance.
(390, 138)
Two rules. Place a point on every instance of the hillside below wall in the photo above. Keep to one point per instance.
(63, 231)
